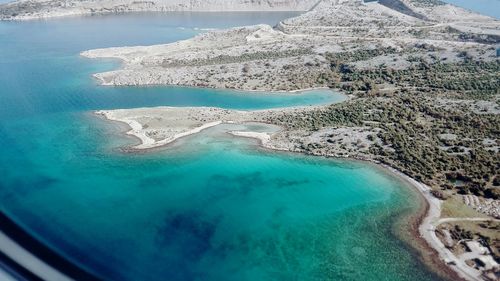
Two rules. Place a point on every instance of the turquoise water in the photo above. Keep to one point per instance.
(212, 206)
(41, 71)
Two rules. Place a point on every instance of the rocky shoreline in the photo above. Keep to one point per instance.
(304, 52)
(153, 119)
(415, 69)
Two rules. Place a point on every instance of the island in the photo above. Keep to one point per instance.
(423, 81)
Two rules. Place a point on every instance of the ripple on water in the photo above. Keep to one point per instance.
(215, 208)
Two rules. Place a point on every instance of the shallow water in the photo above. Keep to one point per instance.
(210, 207)
(41, 70)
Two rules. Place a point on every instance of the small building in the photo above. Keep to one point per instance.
(477, 248)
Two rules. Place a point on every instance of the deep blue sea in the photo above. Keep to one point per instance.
(210, 207)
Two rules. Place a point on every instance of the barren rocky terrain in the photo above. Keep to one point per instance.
(35, 9)
(301, 52)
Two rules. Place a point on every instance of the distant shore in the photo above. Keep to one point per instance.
(32, 10)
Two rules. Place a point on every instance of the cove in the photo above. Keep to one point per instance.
(210, 207)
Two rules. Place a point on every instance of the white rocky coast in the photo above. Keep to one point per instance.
(160, 126)
(36, 9)
(299, 52)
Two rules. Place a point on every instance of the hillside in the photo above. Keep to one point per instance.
(297, 53)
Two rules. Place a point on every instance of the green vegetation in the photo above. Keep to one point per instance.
(245, 57)
(411, 127)
(468, 79)
(473, 37)
(487, 233)
(411, 109)
(427, 3)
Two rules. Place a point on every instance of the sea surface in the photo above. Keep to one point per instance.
(209, 207)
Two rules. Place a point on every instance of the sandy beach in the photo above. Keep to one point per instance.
(159, 126)
(427, 226)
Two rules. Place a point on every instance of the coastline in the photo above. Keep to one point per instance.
(99, 80)
(420, 225)
(148, 142)
(82, 10)
(64, 15)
